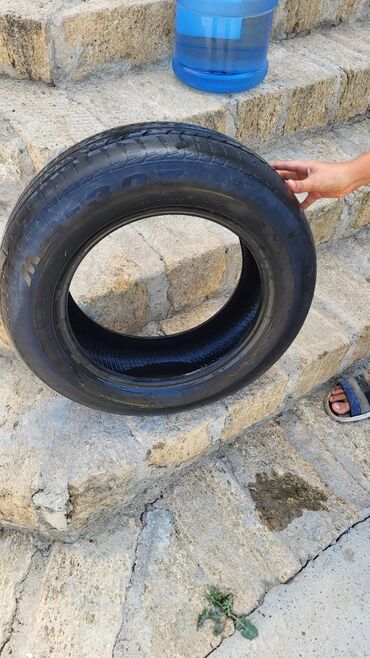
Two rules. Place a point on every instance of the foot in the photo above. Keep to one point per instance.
(338, 401)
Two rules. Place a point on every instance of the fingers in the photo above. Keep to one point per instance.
(293, 175)
(301, 186)
(310, 199)
(299, 166)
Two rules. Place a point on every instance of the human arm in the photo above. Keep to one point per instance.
(324, 179)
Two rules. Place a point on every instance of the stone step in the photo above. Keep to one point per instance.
(245, 520)
(143, 274)
(66, 468)
(54, 41)
(292, 614)
(314, 81)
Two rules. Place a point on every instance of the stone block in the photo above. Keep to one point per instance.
(319, 348)
(190, 445)
(332, 272)
(259, 400)
(324, 217)
(73, 597)
(360, 208)
(260, 113)
(194, 317)
(16, 552)
(353, 69)
(195, 276)
(24, 39)
(45, 133)
(177, 102)
(123, 34)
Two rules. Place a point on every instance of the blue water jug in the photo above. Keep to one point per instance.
(222, 45)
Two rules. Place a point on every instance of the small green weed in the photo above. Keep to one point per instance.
(220, 609)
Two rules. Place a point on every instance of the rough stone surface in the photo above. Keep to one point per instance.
(348, 315)
(274, 456)
(353, 67)
(33, 414)
(308, 430)
(196, 316)
(45, 133)
(15, 170)
(260, 113)
(294, 98)
(257, 401)
(210, 502)
(55, 41)
(164, 625)
(361, 209)
(350, 453)
(353, 137)
(320, 348)
(183, 545)
(309, 86)
(177, 102)
(24, 39)
(110, 288)
(89, 36)
(125, 100)
(123, 283)
(73, 601)
(249, 517)
(117, 461)
(333, 11)
(330, 85)
(323, 611)
(293, 17)
(324, 218)
(194, 278)
(137, 586)
(16, 553)
(208, 519)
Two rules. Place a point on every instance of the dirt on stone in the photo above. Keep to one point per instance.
(280, 499)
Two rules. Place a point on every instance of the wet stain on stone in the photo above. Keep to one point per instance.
(280, 499)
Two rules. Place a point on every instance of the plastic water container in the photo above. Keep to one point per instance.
(222, 45)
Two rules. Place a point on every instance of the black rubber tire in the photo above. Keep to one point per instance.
(123, 175)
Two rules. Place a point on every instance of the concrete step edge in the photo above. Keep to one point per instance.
(56, 42)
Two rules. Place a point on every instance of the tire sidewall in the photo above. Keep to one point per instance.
(277, 232)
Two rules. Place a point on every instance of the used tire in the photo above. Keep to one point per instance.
(124, 175)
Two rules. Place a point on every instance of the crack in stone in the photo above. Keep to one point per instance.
(167, 282)
(147, 508)
(129, 586)
(18, 596)
(292, 578)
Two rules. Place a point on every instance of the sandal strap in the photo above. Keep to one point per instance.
(357, 390)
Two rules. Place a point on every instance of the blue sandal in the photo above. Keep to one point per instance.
(357, 390)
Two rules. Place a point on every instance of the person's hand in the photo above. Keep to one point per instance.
(318, 179)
